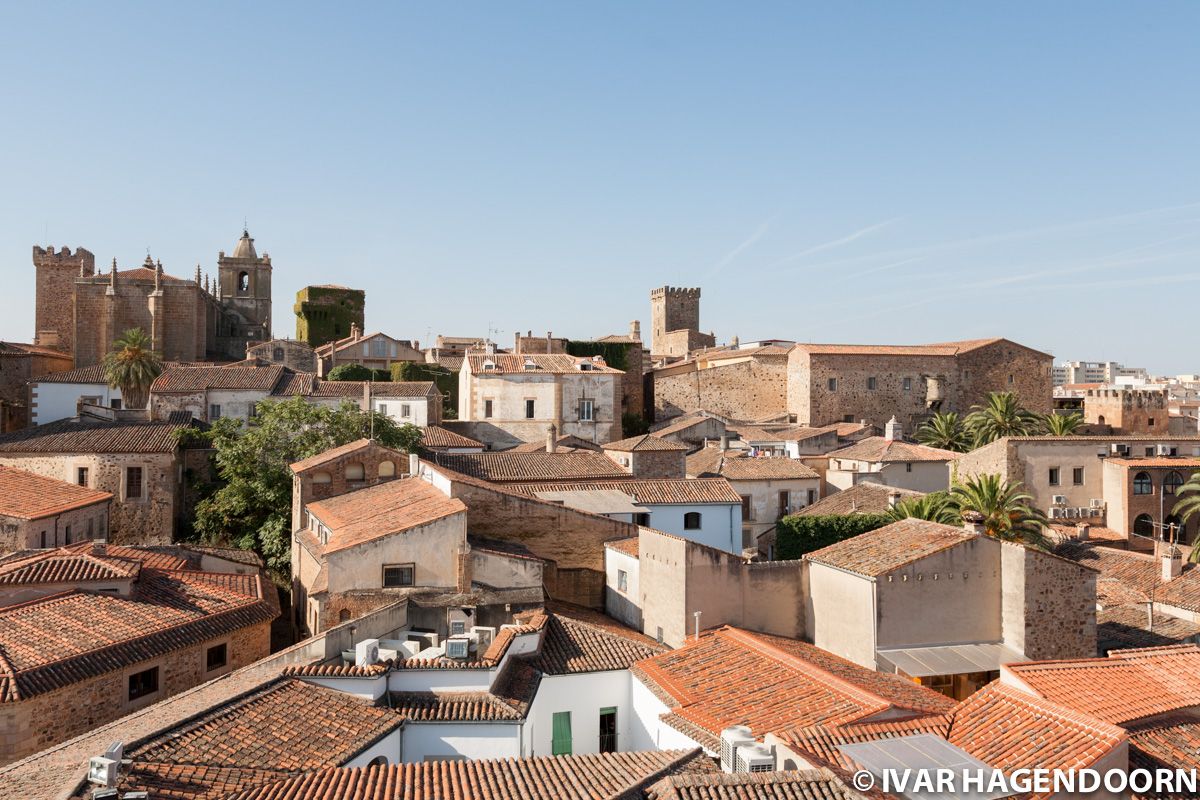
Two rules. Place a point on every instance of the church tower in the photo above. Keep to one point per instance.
(244, 295)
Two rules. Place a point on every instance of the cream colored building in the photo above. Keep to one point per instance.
(890, 460)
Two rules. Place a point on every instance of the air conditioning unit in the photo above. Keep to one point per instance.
(755, 758)
(1119, 449)
(483, 636)
(1072, 513)
(426, 639)
(366, 653)
(1097, 512)
(1056, 513)
(458, 647)
(732, 738)
(105, 794)
(1162, 450)
(1096, 502)
(1059, 500)
(134, 796)
(102, 771)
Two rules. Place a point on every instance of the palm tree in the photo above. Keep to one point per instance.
(1005, 507)
(945, 431)
(131, 366)
(1187, 506)
(935, 507)
(1002, 415)
(1062, 424)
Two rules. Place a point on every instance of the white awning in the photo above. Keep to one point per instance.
(952, 659)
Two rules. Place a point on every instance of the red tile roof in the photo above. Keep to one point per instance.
(199, 379)
(55, 641)
(627, 546)
(437, 436)
(95, 373)
(862, 498)
(26, 495)
(94, 436)
(649, 491)
(452, 707)
(579, 640)
(939, 349)
(644, 443)
(576, 777)
(815, 784)
(539, 466)
(880, 449)
(1160, 462)
(737, 467)
(893, 546)
(337, 452)
(382, 510)
(564, 444)
(734, 677)
(64, 566)
(559, 363)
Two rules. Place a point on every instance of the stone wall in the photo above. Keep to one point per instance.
(325, 313)
(32, 725)
(17, 368)
(1127, 410)
(1049, 604)
(295, 355)
(89, 522)
(310, 485)
(651, 463)
(175, 317)
(744, 390)
(1006, 366)
(54, 308)
(675, 322)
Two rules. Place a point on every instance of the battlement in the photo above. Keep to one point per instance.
(675, 291)
(81, 260)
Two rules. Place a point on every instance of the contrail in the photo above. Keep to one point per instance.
(836, 242)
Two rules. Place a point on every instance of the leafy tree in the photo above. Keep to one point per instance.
(935, 507)
(250, 506)
(1062, 424)
(1005, 507)
(1002, 415)
(350, 372)
(131, 366)
(1187, 506)
(945, 431)
(445, 380)
(798, 534)
(633, 425)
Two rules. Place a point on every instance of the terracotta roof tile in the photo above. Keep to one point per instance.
(938, 349)
(880, 449)
(564, 444)
(26, 495)
(199, 379)
(93, 436)
(555, 363)
(437, 436)
(382, 510)
(95, 373)
(581, 641)
(627, 546)
(815, 784)
(649, 491)
(888, 548)
(539, 466)
(644, 443)
(451, 707)
(862, 498)
(737, 467)
(58, 566)
(1127, 626)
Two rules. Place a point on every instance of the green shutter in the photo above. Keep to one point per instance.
(560, 744)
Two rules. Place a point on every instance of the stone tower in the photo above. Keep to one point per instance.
(244, 283)
(326, 313)
(675, 321)
(54, 313)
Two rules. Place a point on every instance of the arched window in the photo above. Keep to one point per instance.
(378, 761)
(387, 469)
(1172, 482)
(355, 472)
(344, 615)
(277, 354)
(243, 281)
(1142, 483)
(691, 521)
(322, 477)
(1144, 525)
(1100, 419)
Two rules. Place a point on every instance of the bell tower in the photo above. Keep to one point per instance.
(244, 295)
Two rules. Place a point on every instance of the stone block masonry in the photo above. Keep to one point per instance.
(327, 313)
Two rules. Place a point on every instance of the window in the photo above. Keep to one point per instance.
(622, 581)
(908, 466)
(1077, 476)
(1150, 422)
(383, 409)
(322, 477)
(747, 508)
(144, 683)
(378, 761)
(344, 615)
(528, 409)
(586, 410)
(355, 472)
(133, 483)
(277, 354)
(387, 469)
(1142, 483)
(832, 384)
(379, 347)
(67, 535)
(243, 282)
(397, 575)
(608, 730)
(1054, 476)
(115, 404)
(691, 521)
(785, 503)
(1171, 482)
(252, 412)
(214, 411)
(458, 627)
(848, 418)
(812, 496)
(405, 411)
(871, 384)
(908, 384)
(1012, 379)
(81, 476)
(560, 742)
(43, 540)
(487, 409)
(1144, 525)
(216, 657)
(1149, 451)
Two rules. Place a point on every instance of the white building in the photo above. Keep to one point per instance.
(891, 461)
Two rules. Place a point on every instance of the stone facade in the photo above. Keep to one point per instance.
(1127, 410)
(325, 476)
(747, 390)
(651, 463)
(325, 313)
(19, 364)
(675, 322)
(89, 522)
(29, 726)
(1049, 604)
(633, 397)
(297, 356)
(81, 311)
(376, 351)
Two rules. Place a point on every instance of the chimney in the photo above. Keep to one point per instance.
(517, 342)
(414, 465)
(355, 333)
(1172, 563)
(464, 570)
(893, 499)
(549, 336)
(551, 439)
(724, 441)
(892, 431)
(1082, 531)
(635, 330)
(973, 523)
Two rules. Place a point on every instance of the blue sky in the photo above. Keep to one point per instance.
(868, 172)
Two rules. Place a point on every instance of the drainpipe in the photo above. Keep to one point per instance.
(696, 616)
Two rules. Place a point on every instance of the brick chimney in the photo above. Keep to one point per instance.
(551, 439)
(464, 569)
(973, 523)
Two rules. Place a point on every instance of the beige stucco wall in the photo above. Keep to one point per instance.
(556, 399)
(841, 613)
(920, 476)
(433, 549)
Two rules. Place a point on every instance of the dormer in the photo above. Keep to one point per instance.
(530, 364)
(489, 365)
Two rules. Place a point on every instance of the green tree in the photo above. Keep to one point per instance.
(350, 372)
(131, 366)
(633, 425)
(935, 507)
(798, 534)
(1187, 506)
(946, 431)
(1062, 424)
(1007, 513)
(1002, 415)
(250, 506)
(445, 380)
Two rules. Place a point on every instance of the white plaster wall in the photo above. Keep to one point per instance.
(432, 549)
(388, 747)
(647, 730)
(470, 739)
(504, 572)
(55, 401)
(369, 688)
(440, 680)
(418, 408)
(625, 605)
(841, 613)
(583, 695)
(720, 524)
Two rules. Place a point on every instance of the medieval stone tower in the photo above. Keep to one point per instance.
(675, 321)
(54, 312)
(244, 282)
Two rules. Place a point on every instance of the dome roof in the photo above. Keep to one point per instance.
(245, 247)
